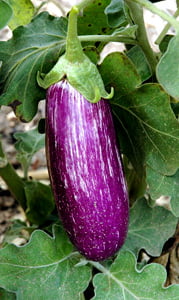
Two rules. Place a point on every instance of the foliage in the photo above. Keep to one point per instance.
(27, 144)
(124, 281)
(145, 111)
(5, 14)
(33, 48)
(44, 268)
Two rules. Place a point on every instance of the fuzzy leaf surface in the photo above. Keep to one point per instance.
(5, 13)
(29, 142)
(118, 71)
(20, 18)
(18, 229)
(40, 201)
(43, 268)
(149, 228)
(161, 185)
(168, 68)
(94, 23)
(144, 138)
(35, 47)
(126, 31)
(115, 12)
(123, 281)
(138, 58)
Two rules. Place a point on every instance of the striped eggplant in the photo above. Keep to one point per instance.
(85, 171)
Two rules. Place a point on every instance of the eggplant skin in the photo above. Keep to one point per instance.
(85, 170)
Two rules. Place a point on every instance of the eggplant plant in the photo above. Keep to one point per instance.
(99, 229)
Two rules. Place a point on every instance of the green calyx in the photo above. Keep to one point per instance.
(83, 76)
(74, 65)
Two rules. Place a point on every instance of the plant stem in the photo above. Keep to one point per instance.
(165, 30)
(12, 179)
(106, 39)
(103, 270)
(98, 266)
(157, 11)
(143, 42)
(74, 51)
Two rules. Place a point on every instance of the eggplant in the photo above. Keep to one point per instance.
(86, 172)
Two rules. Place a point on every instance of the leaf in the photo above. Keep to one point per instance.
(136, 184)
(146, 125)
(149, 228)
(44, 268)
(126, 31)
(119, 72)
(164, 43)
(115, 12)
(161, 185)
(18, 229)
(92, 53)
(5, 13)
(138, 58)
(5, 295)
(94, 23)
(40, 201)
(20, 18)
(123, 281)
(28, 143)
(168, 68)
(35, 47)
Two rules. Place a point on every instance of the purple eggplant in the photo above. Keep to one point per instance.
(86, 172)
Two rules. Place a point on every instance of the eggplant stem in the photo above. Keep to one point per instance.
(74, 50)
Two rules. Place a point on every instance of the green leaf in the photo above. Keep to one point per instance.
(20, 18)
(83, 76)
(44, 268)
(161, 185)
(138, 58)
(35, 47)
(146, 125)
(123, 281)
(92, 53)
(126, 31)
(28, 143)
(149, 228)
(18, 229)
(40, 201)
(164, 43)
(115, 12)
(118, 71)
(168, 69)
(5, 295)
(94, 23)
(136, 184)
(5, 13)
